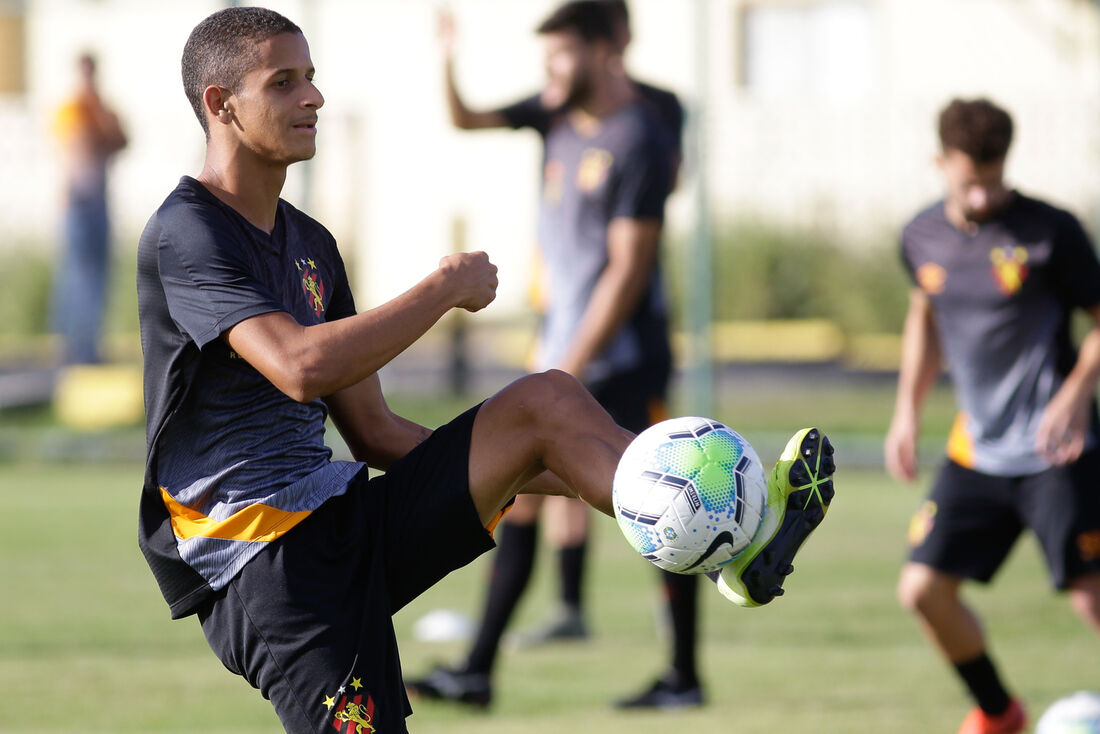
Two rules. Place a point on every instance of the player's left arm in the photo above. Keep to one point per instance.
(1065, 421)
(1064, 424)
(631, 253)
(374, 433)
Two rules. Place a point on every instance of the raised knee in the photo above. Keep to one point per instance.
(559, 383)
(552, 390)
(539, 398)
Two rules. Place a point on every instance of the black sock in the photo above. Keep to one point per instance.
(680, 590)
(980, 677)
(515, 557)
(571, 562)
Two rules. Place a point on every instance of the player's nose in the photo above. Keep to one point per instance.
(313, 98)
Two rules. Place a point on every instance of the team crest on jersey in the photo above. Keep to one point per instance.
(921, 523)
(312, 285)
(931, 278)
(1009, 268)
(592, 172)
(349, 714)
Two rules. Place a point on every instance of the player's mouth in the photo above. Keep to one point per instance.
(309, 126)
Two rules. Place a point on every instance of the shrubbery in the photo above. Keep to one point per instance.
(26, 293)
(767, 272)
(760, 272)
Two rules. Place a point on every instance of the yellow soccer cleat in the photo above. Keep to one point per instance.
(800, 488)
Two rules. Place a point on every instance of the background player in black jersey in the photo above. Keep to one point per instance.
(632, 405)
(997, 277)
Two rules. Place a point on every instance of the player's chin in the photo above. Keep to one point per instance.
(300, 153)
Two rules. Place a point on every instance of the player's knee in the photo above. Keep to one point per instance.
(917, 589)
(1084, 598)
(907, 594)
(552, 395)
(560, 385)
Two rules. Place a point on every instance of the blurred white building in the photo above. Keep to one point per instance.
(818, 112)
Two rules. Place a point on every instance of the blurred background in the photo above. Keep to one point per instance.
(810, 141)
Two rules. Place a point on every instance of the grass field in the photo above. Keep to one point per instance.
(86, 644)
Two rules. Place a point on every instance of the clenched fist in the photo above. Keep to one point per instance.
(471, 278)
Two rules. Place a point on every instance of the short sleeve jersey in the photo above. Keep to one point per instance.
(529, 112)
(232, 462)
(1002, 299)
(622, 170)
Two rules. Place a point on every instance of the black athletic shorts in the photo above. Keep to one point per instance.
(308, 621)
(635, 400)
(971, 520)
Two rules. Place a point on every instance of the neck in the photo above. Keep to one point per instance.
(241, 181)
(958, 219)
(610, 92)
(963, 223)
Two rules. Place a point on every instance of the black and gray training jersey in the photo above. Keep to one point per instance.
(621, 169)
(1002, 298)
(232, 462)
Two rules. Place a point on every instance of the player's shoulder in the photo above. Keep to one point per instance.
(188, 205)
(1041, 210)
(929, 220)
(662, 99)
(192, 220)
(641, 125)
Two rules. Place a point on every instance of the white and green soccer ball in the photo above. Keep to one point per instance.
(1078, 713)
(689, 494)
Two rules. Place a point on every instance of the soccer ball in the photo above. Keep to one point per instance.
(1075, 714)
(689, 494)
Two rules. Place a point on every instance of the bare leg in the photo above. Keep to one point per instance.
(934, 598)
(1084, 596)
(539, 422)
(567, 521)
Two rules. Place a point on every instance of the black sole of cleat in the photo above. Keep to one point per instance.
(764, 576)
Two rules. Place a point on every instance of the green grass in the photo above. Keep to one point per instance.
(86, 644)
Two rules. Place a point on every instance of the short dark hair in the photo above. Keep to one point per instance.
(618, 11)
(976, 127)
(222, 49)
(589, 19)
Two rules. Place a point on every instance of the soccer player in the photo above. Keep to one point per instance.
(567, 520)
(997, 277)
(611, 146)
(295, 563)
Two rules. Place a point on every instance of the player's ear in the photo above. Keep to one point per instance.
(216, 102)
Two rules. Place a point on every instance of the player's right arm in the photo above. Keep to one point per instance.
(309, 362)
(462, 116)
(921, 362)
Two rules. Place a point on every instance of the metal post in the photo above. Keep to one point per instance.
(699, 377)
(459, 364)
